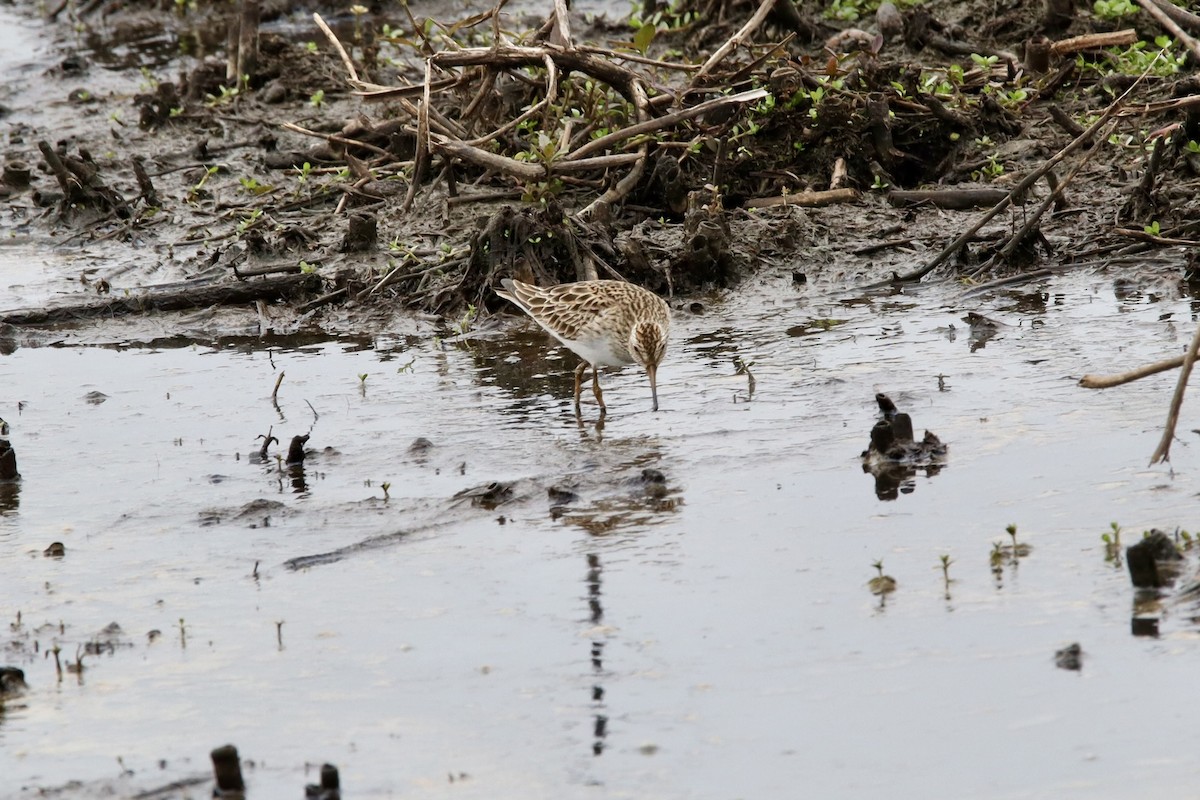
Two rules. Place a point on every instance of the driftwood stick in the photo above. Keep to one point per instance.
(947, 198)
(333, 137)
(596, 162)
(637, 58)
(805, 199)
(509, 56)
(1162, 241)
(380, 93)
(1094, 41)
(1163, 451)
(341, 51)
(224, 293)
(247, 51)
(736, 40)
(1090, 381)
(1179, 33)
(422, 156)
(510, 166)
(561, 35)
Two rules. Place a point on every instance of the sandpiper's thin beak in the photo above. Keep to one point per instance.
(652, 373)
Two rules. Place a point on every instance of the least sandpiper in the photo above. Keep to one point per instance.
(606, 323)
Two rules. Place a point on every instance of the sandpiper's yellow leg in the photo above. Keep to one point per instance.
(579, 381)
(596, 390)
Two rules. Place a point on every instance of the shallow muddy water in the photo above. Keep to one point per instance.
(596, 631)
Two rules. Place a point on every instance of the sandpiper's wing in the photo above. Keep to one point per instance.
(568, 311)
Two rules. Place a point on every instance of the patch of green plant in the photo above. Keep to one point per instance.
(984, 62)
(854, 10)
(1112, 544)
(251, 186)
(195, 190)
(1137, 58)
(466, 320)
(248, 221)
(946, 561)
(1114, 9)
(675, 15)
(226, 95)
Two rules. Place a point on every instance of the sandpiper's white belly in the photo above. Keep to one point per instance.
(598, 351)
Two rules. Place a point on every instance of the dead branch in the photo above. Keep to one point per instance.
(1163, 451)
(524, 170)
(736, 40)
(1094, 41)
(947, 198)
(1090, 381)
(170, 299)
(333, 137)
(1183, 18)
(341, 51)
(1162, 241)
(658, 123)
(511, 56)
(805, 199)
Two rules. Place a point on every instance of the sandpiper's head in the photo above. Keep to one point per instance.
(648, 346)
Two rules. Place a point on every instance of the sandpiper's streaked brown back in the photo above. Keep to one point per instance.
(606, 323)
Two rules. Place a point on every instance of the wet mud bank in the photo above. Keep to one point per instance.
(413, 159)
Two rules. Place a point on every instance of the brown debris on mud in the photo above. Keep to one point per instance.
(412, 160)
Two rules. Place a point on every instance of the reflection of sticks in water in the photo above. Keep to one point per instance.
(743, 368)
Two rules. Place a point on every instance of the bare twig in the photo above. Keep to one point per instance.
(1108, 381)
(736, 40)
(667, 121)
(806, 199)
(337, 46)
(1094, 41)
(623, 187)
(333, 137)
(1184, 18)
(1163, 451)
